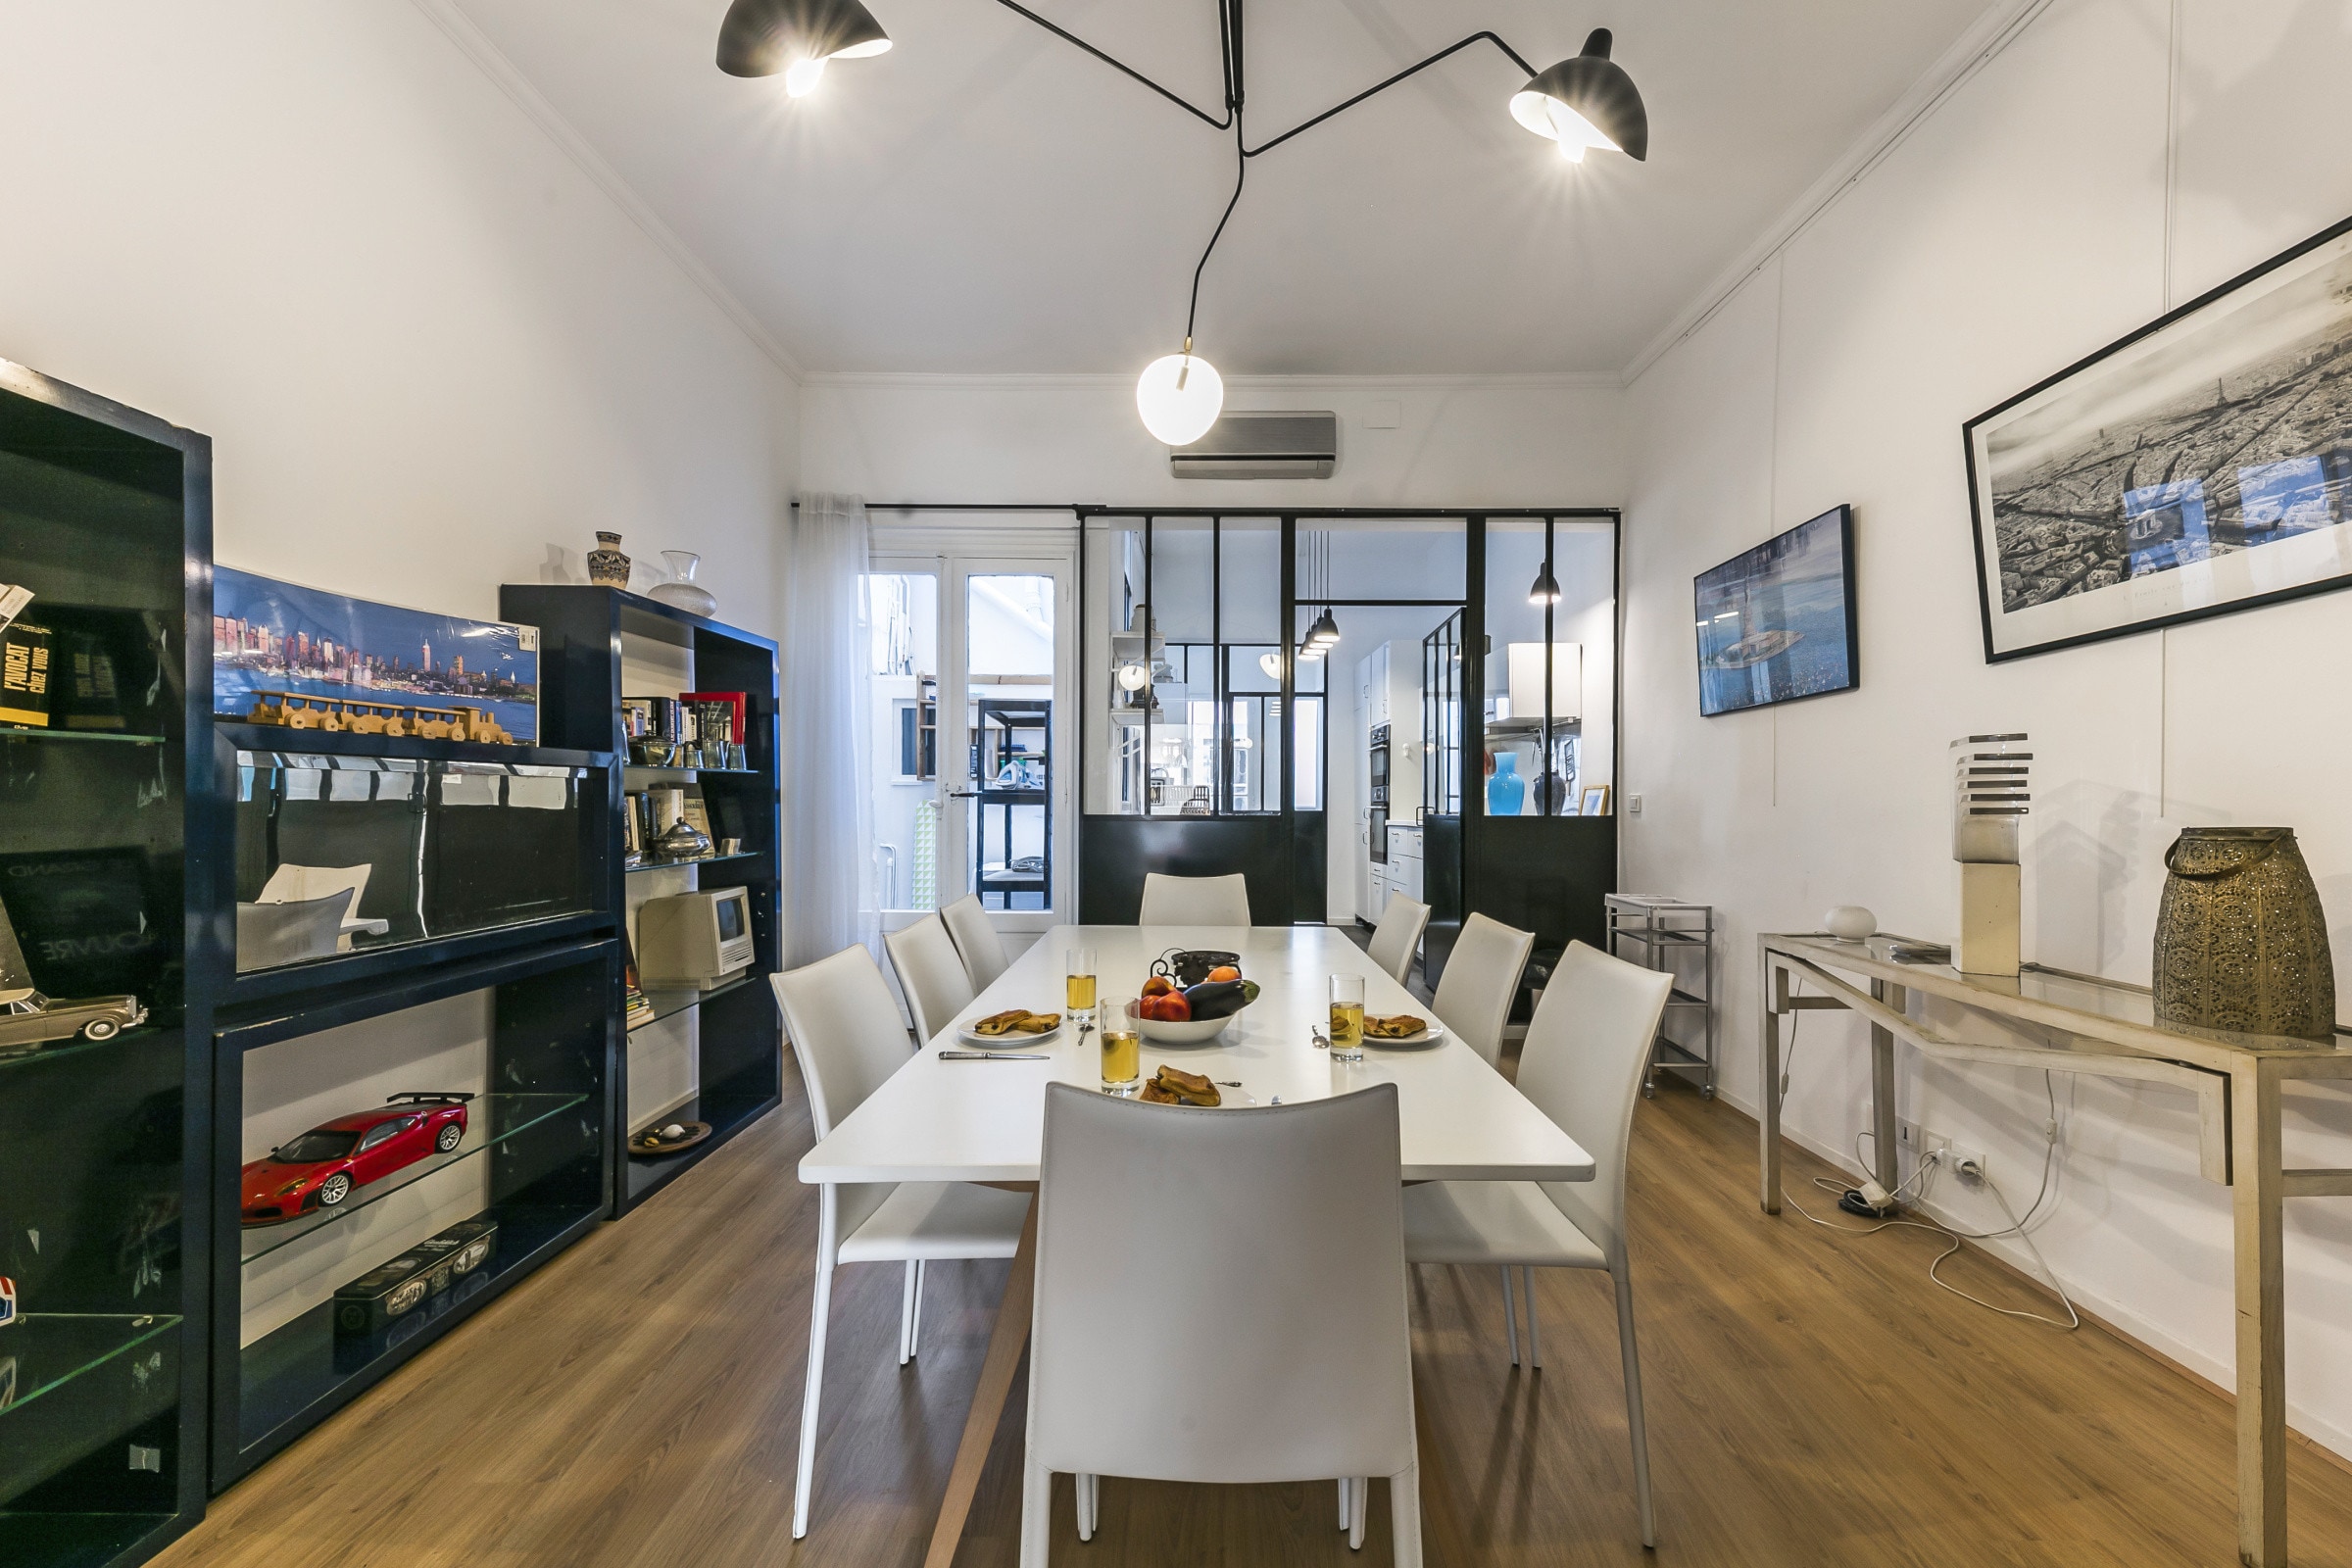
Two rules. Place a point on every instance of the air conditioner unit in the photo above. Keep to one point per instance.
(1251, 444)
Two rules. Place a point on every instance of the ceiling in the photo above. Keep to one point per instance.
(986, 198)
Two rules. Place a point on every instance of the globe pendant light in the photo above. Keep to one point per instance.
(760, 37)
(1179, 396)
(1586, 102)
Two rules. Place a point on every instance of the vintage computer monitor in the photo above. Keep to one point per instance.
(700, 939)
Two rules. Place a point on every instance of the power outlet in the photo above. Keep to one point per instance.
(1963, 1162)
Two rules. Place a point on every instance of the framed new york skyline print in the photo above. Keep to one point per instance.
(2201, 466)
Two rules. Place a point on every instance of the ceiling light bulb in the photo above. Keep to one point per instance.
(1134, 678)
(801, 77)
(1179, 396)
(1576, 133)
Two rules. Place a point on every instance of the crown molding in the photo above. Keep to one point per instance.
(509, 78)
(1995, 30)
(1124, 381)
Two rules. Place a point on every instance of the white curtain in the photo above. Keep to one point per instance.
(828, 713)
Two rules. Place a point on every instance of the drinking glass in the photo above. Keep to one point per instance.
(1122, 1047)
(1346, 1018)
(1081, 988)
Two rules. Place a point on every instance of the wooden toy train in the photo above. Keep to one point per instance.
(348, 715)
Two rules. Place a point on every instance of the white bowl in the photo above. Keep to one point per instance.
(1192, 1032)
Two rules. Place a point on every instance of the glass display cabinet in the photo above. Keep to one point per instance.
(392, 1153)
(702, 1044)
(102, 1093)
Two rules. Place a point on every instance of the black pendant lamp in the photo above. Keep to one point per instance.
(760, 37)
(1586, 102)
(1547, 588)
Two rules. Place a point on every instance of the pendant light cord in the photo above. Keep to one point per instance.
(1241, 173)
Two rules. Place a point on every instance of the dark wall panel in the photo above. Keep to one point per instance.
(1114, 853)
(1546, 875)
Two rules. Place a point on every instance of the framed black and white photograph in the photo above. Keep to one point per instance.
(1777, 622)
(2198, 466)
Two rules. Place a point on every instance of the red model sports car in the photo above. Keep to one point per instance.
(320, 1168)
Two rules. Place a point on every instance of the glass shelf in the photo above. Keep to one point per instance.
(53, 1348)
(58, 1050)
(39, 732)
(669, 1001)
(700, 859)
(663, 767)
(490, 1121)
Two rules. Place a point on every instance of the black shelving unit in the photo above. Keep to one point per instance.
(102, 1436)
(714, 1057)
(999, 727)
(537, 1146)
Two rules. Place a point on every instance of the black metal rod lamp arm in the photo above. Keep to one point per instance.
(1585, 103)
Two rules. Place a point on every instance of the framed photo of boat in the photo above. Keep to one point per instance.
(2200, 465)
(1777, 623)
(283, 653)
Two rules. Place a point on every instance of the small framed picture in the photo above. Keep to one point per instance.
(1595, 802)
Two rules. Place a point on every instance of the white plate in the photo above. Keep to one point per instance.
(1007, 1041)
(1191, 1032)
(1429, 1035)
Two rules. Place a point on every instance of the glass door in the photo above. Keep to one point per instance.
(972, 655)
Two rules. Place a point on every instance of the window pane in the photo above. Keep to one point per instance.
(1556, 760)
(903, 625)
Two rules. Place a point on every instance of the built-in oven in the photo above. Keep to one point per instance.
(1380, 764)
(1376, 819)
(1376, 827)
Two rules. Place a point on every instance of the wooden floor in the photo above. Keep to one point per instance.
(1813, 1400)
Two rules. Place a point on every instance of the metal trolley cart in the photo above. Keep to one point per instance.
(1678, 937)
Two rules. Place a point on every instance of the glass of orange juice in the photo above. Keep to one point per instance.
(1122, 1048)
(1081, 987)
(1346, 1018)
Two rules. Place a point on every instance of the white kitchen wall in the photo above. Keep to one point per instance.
(432, 352)
(2119, 158)
(1453, 441)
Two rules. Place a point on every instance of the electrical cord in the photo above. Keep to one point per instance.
(1929, 1164)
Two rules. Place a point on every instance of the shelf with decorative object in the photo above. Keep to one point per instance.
(102, 686)
(712, 1051)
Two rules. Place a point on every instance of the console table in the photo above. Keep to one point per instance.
(2067, 1022)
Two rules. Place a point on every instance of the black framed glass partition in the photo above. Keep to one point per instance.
(1320, 700)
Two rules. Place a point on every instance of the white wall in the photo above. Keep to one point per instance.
(2072, 190)
(432, 353)
(1455, 441)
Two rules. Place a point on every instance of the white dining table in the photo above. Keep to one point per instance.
(943, 1120)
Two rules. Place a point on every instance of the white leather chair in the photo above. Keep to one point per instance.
(846, 1036)
(930, 975)
(1582, 1065)
(1195, 899)
(1253, 1330)
(1398, 936)
(983, 951)
(1474, 994)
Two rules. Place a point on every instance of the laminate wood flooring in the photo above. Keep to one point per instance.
(1813, 1400)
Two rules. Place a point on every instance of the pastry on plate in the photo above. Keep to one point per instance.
(1017, 1021)
(1395, 1026)
(1184, 1088)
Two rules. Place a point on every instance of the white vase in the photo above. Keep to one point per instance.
(682, 592)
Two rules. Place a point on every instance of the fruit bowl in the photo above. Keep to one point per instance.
(1192, 1032)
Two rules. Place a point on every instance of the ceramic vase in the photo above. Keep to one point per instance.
(608, 567)
(2241, 942)
(1506, 791)
(682, 592)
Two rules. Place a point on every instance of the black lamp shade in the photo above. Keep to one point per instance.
(1545, 590)
(1596, 87)
(761, 37)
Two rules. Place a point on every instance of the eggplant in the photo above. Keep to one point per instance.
(1218, 998)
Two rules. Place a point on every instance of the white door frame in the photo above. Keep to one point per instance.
(955, 555)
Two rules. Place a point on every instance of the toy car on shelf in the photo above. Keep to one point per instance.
(321, 1170)
(32, 1019)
